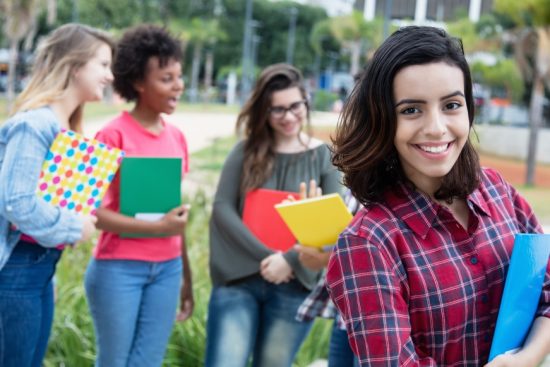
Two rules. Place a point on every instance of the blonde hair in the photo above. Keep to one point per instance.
(66, 49)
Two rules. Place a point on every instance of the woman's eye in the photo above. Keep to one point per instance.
(453, 105)
(409, 110)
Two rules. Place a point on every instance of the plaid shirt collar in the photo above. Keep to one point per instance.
(419, 212)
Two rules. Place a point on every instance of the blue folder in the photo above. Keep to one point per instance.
(522, 291)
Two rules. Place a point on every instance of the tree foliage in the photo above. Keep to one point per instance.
(272, 25)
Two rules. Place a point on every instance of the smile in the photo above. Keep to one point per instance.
(434, 149)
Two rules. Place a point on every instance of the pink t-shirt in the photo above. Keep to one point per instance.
(126, 133)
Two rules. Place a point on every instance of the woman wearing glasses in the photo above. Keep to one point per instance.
(257, 291)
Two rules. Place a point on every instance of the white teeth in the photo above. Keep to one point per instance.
(432, 149)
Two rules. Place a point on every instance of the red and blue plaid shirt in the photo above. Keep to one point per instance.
(417, 289)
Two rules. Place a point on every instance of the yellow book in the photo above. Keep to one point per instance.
(318, 221)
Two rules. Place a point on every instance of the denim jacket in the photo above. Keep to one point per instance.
(24, 141)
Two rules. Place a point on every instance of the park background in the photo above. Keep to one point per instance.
(228, 42)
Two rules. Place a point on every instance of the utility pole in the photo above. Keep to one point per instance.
(245, 63)
(255, 41)
(74, 15)
(291, 36)
(387, 17)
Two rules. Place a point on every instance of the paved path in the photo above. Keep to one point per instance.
(201, 128)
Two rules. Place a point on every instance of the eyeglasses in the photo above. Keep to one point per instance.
(297, 108)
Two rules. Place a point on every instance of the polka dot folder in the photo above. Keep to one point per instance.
(77, 172)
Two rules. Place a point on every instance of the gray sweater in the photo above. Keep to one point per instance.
(234, 251)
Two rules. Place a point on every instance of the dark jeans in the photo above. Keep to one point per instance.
(26, 304)
(340, 353)
(254, 317)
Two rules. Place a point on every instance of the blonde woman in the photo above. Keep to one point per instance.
(72, 67)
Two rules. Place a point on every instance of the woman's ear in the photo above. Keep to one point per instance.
(75, 73)
(139, 87)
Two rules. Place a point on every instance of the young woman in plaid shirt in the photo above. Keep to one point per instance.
(419, 274)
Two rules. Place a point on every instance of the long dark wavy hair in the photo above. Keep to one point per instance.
(253, 121)
(363, 146)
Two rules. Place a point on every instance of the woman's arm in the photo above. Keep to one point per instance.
(187, 301)
(25, 149)
(172, 223)
(225, 211)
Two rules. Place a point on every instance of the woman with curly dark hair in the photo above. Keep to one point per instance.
(132, 284)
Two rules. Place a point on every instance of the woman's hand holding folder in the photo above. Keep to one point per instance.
(173, 222)
(311, 257)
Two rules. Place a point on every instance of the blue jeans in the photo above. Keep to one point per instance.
(26, 304)
(133, 306)
(340, 353)
(255, 317)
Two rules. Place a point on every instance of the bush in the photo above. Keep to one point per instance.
(324, 100)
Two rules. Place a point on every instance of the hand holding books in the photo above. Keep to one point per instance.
(88, 227)
(274, 268)
(311, 257)
(316, 221)
(173, 223)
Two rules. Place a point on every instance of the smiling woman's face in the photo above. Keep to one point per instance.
(432, 121)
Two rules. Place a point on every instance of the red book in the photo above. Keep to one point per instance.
(260, 216)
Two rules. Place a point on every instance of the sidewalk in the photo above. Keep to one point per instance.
(201, 128)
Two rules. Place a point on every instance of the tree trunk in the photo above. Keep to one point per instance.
(208, 72)
(51, 14)
(535, 112)
(12, 65)
(355, 57)
(194, 90)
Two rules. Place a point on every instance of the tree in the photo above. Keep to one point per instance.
(504, 78)
(475, 37)
(319, 34)
(19, 19)
(355, 34)
(202, 32)
(532, 50)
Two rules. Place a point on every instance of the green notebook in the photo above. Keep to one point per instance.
(149, 188)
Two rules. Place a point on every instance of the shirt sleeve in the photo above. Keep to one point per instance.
(225, 211)
(370, 295)
(19, 173)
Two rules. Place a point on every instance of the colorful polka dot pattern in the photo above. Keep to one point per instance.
(77, 171)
